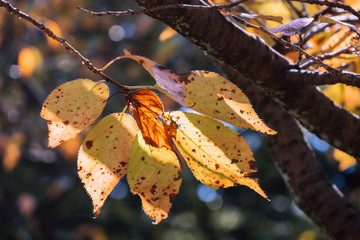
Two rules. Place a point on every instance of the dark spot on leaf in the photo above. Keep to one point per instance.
(143, 158)
(217, 181)
(193, 150)
(252, 166)
(123, 163)
(66, 122)
(234, 161)
(217, 166)
(141, 61)
(218, 127)
(89, 144)
(153, 189)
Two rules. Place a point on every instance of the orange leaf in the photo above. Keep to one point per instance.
(147, 108)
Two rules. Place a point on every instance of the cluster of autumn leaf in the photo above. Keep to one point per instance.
(150, 145)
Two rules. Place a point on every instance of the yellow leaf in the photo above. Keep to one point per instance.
(153, 174)
(28, 60)
(212, 95)
(345, 160)
(217, 155)
(104, 154)
(72, 107)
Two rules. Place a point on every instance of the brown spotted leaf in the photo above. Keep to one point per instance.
(147, 108)
(210, 94)
(104, 154)
(217, 156)
(72, 107)
(153, 174)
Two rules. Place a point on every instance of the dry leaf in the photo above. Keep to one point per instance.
(165, 78)
(104, 154)
(153, 174)
(293, 27)
(147, 108)
(72, 107)
(212, 95)
(217, 155)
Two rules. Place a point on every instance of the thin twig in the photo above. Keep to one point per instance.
(331, 4)
(346, 50)
(345, 77)
(165, 7)
(62, 41)
(305, 10)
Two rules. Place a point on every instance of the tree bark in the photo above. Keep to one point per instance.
(310, 186)
(253, 58)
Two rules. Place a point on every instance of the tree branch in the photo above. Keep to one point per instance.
(62, 41)
(248, 54)
(318, 78)
(310, 186)
(163, 7)
(331, 4)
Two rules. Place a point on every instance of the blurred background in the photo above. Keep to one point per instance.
(41, 196)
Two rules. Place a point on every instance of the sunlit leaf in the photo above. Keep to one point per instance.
(217, 155)
(153, 174)
(214, 96)
(29, 59)
(345, 160)
(72, 107)
(147, 109)
(293, 27)
(104, 154)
